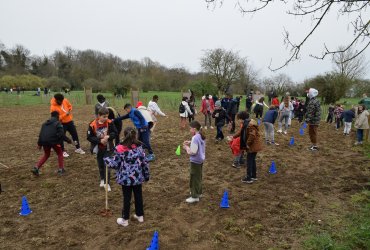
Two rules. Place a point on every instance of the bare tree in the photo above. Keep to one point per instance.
(279, 83)
(226, 67)
(354, 11)
(352, 69)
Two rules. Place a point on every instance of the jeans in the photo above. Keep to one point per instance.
(47, 149)
(207, 118)
(196, 179)
(102, 153)
(138, 195)
(347, 127)
(360, 135)
(329, 119)
(71, 128)
(251, 166)
(269, 131)
(284, 116)
(220, 135)
(144, 137)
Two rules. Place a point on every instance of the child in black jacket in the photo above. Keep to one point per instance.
(51, 137)
(101, 134)
(219, 114)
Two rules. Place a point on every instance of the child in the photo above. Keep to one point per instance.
(141, 125)
(155, 110)
(338, 114)
(258, 109)
(51, 137)
(268, 122)
(348, 116)
(118, 124)
(197, 151)
(132, 170)
(101, 134)
(102, 103)
(184, 111)
(64, 108)
(219, 114)
(207, 109)
(239, 140)
(285, 110)
(301, 111)
(361, 123)
(254, 145)
(329, 119)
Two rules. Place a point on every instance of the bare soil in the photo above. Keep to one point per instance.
(270, 213)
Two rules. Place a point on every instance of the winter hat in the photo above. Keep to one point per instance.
(218, 104)
(139, 103)
(312, 93)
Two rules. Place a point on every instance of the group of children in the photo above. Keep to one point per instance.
(128, 158)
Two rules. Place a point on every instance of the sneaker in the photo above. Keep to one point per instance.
(101, 183)
(122, 222)
(268, 142)
(150, 157)
(65, 154)
(246, 180)
(139, 218)
(61, 171)
(358, 143)
(205, 128)
(192, 200)
(313, 148)
(80, 151)
(35, 171)
(109, 189)
(212, 127)
(254, 179)
(280, 131)
(237, 166)
(274, 143)
(285, 132)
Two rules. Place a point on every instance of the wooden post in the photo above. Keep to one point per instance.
(88, 96)
(134, 97)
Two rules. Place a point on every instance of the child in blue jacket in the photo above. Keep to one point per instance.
(268, 122)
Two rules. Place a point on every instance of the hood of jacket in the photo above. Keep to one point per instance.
(51, 121)
(312, 93)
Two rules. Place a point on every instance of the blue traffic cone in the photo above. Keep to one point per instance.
(291, 143)
(258, 122)
(272, 168)
(304, 125)
(154, 244)
(225, 200)
(301, 131)
(25, 209)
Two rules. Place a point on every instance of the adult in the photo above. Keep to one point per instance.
(154, 110)
(313, 117)
(64, 108)
(249, 103)
(184, 111)
(361, 123)
(231, 111)
(207, 109)
(224, 104)
(141, 125)
(366, 101)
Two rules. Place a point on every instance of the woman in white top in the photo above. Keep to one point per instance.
(184, 111)
(258, 109)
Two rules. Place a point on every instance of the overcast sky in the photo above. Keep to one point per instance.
(172, 32)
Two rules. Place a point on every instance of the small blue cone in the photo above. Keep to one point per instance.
(259, 122)
(154, 244)
(304, 125)
(225, 200)
(273, 168)
(291, 143)
(301, 131)
(25, 209)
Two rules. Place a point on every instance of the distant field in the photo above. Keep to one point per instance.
(167, 100)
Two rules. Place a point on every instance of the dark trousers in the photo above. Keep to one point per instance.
(232, 116)
(119, 129)
(360, 135)
(138, 195)
(339, 122)
(220, 135)
(102, 153)
(71, 128)
(329, 119)
(144, 137)
(251, 166)
(196, 176)
(259, 114)
(47, 149)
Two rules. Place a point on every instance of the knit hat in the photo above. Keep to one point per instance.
(218, 104)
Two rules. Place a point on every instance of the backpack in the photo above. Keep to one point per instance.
(181, 108)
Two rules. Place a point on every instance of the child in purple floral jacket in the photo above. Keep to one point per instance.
(132, 169)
